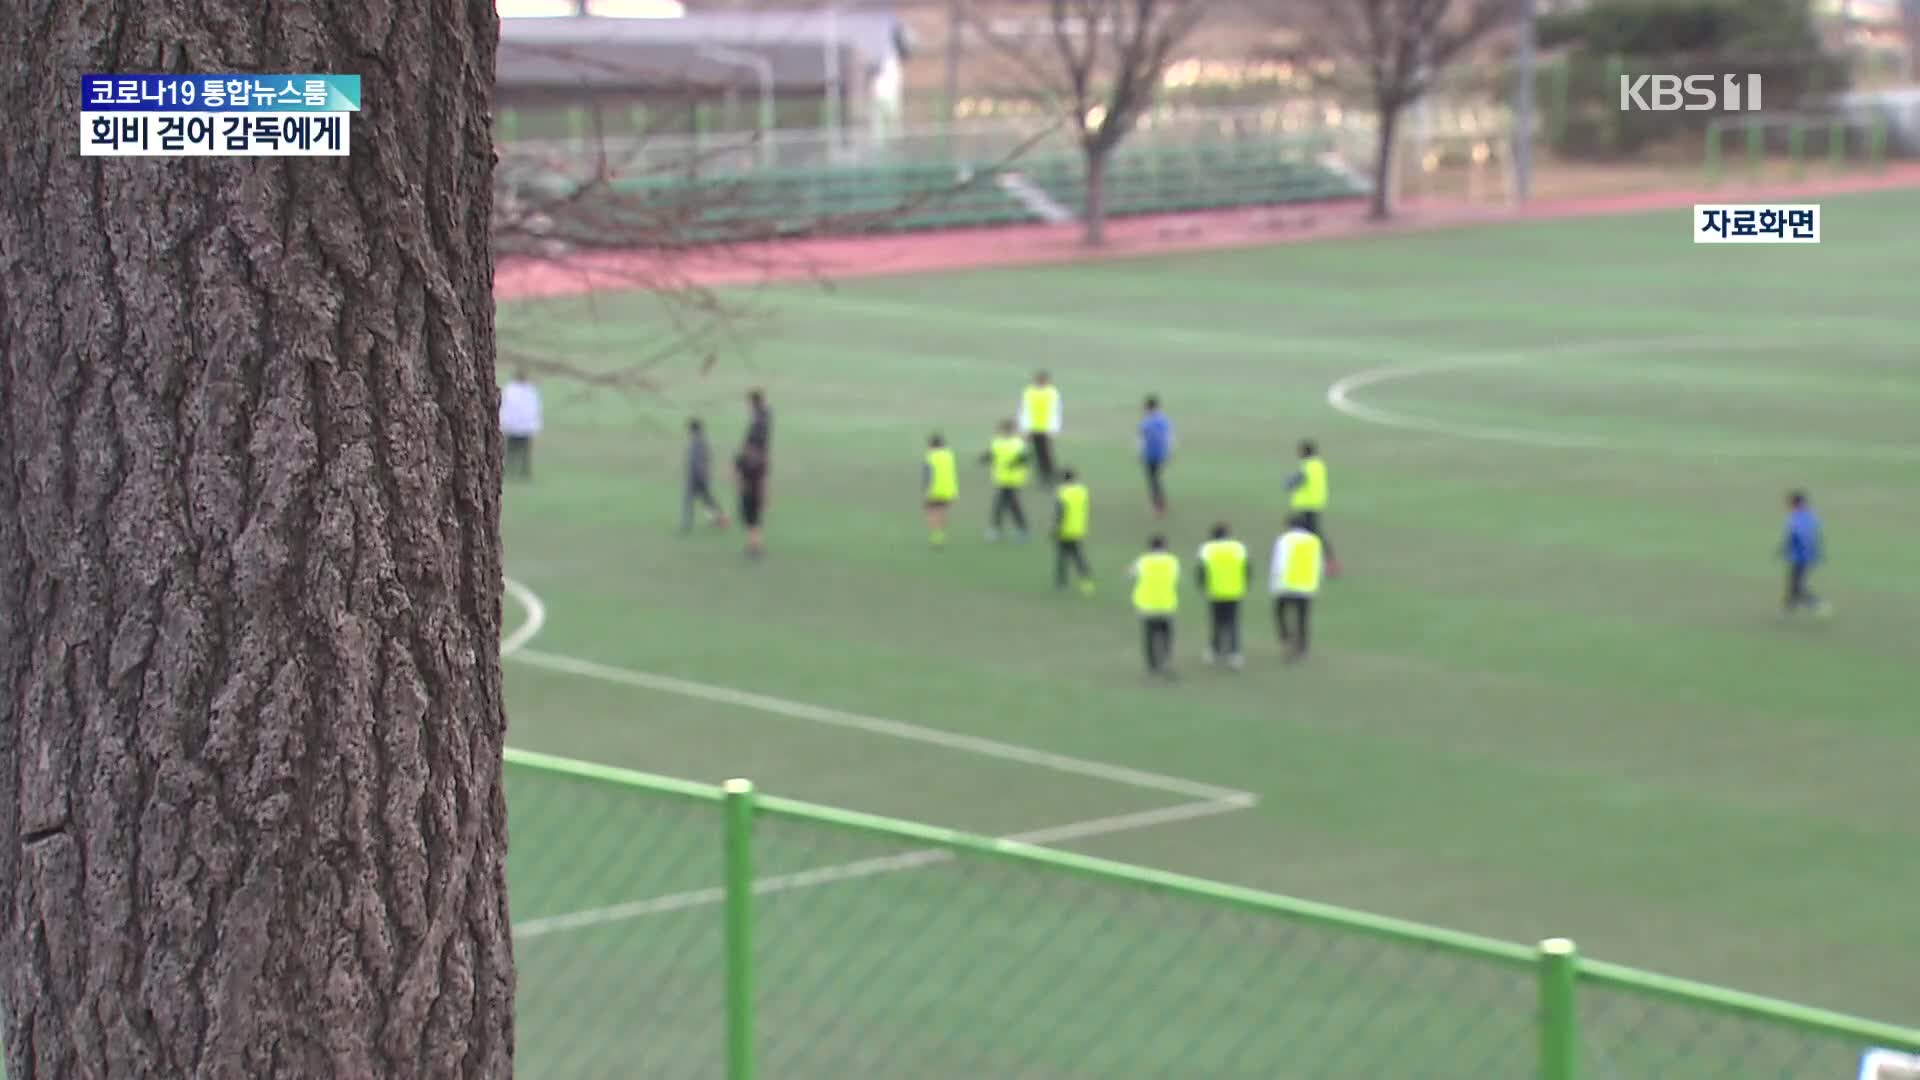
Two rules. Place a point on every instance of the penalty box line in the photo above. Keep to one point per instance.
(1192, 790)
(1204, 800)
(918, 859)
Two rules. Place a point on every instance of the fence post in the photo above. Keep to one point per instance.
(1800, 123)
(738, 849)
(1559, 1012)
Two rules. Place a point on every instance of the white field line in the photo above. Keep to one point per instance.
(1208, 800)
(873, 725)
(1340, 394)
(1340, 397)
(865, 868)
(536, 617)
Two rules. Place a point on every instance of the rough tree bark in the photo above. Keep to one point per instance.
(251, 813)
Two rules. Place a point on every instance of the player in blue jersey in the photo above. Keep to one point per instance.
(1803, 549)
(1156, 446)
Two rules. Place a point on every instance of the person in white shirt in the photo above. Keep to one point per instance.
(520, 422)
(1040, 422)
(1299, 563)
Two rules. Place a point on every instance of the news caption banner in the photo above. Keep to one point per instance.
(217, 115)
(1756, 223)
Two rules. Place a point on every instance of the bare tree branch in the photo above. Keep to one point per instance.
(1076, 63)
(1398, 48)
(1097, 67)
(589, 209)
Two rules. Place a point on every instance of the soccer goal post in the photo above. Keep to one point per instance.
(1459, 167)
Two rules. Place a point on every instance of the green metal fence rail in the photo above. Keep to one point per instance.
(672, 929)
(1797, 142)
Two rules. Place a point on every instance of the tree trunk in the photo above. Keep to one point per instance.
(1381, 206)
(251, 813)
(1095, 219)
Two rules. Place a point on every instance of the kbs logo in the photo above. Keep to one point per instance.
(1694, 93)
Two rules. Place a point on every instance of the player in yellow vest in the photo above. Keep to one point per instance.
(940, 479)
(1222, 570)
(1298, 562)
(1040, 422)
(1307, 493)
(1156, 598)
(1071, 509)
(1007, 454)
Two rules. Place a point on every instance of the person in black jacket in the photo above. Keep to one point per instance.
(750, 473)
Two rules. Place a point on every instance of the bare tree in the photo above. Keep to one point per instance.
(660, 225)
(589, 219)
(252, 821)
(1098, 66)
(1392, 51)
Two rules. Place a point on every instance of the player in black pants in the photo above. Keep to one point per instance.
(750, 473)
(1157, 643)
(1222, 572)
(1293, 614)
(1156, 597)
(1006, 506)
(1299, 563)
(1071, 507)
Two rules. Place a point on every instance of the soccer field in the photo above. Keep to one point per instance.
(1553, 693)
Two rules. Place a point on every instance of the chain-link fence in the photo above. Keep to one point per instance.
(1634, 1026)
(618, 943)
(956, 962)
(670, 929)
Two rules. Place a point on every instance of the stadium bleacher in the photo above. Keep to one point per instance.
(909, 197)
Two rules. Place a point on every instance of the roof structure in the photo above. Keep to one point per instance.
(593, 53)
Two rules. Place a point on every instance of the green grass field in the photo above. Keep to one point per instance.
(1552, 695)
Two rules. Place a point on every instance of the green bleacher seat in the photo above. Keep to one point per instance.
(920, 195)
